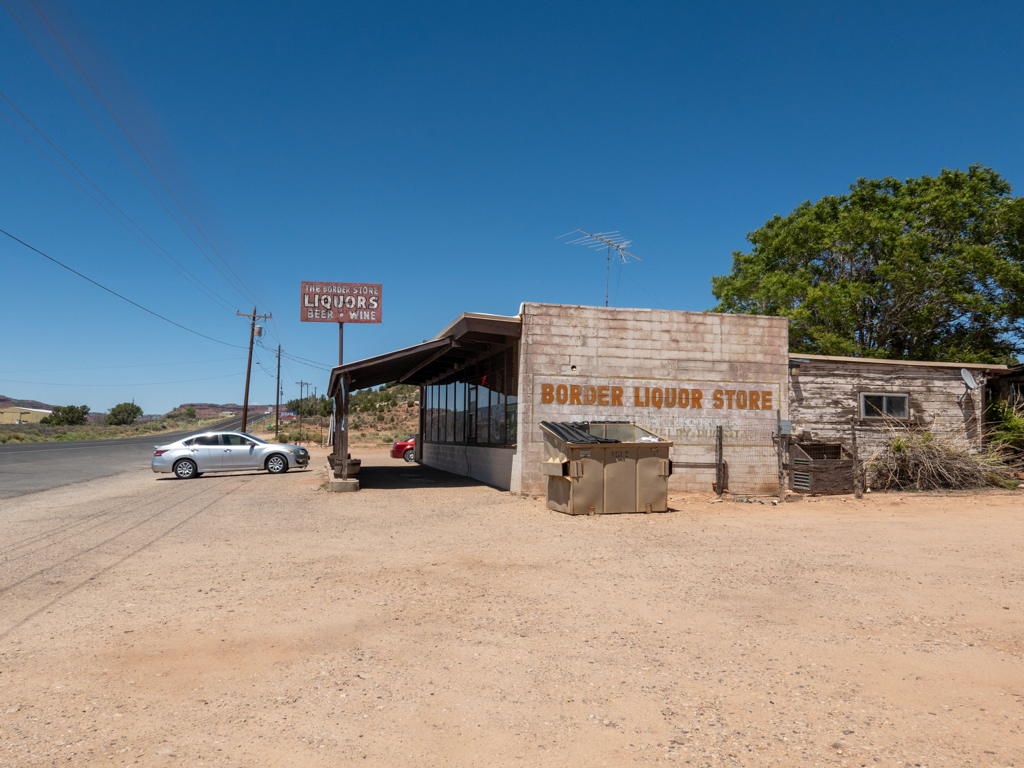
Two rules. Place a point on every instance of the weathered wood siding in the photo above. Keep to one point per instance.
(825, 395)
(613, 363)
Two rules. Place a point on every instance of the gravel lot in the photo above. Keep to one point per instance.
(251, 620)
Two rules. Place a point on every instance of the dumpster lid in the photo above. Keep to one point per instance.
(571, 432)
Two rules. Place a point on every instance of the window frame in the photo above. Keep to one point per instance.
(884, 416)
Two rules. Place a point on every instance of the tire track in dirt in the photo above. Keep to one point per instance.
(25, 593)
(66, 527)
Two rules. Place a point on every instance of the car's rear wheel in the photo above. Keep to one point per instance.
(185, 469)
(277, 464)
(409, 455)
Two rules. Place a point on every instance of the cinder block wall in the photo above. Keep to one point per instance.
(825, 395)
(626, 364)
(488, 465)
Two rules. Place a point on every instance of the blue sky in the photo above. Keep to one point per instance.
(440, 149)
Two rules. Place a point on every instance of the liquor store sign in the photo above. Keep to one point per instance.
(341, 303)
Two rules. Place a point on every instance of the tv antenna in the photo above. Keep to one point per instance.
(610, 240)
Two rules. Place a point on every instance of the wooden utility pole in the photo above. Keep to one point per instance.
(277, 395)
(248, 367)
(719, 463)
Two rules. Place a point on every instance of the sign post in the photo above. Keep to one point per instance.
(341, 303)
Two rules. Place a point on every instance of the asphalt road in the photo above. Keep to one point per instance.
(30, 467)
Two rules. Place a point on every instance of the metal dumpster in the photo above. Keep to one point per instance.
(605, 467)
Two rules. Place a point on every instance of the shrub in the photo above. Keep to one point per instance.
(123, 414)
(67, 416)
(925, 461)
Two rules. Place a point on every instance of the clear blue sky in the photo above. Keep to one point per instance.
(440, 149)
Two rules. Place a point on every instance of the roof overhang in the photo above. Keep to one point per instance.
(795, 358)
(465, 339)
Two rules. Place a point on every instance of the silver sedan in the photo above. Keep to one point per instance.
(226, 452)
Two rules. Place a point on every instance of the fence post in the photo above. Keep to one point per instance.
(780, 452)
(858, 491)
(719, 468)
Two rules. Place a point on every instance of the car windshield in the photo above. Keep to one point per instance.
(254, 439)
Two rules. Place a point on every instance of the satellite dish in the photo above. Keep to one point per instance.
(969, 382)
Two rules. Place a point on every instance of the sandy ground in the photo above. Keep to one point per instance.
(251, 620)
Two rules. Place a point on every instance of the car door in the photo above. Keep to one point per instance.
(239, 452)
(207, 453)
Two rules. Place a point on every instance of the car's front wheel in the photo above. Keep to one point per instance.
(277, 464)
(409, 455)
(185, 469)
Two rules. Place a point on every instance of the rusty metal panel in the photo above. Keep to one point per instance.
(341, 303)
(620, 479)
(652, 479)
(588, 484)
(559, 492)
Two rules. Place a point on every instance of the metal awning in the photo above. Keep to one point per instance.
(469, 336)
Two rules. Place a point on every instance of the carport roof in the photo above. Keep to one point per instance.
(468, 336)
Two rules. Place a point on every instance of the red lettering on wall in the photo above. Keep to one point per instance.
(602, 395)
(717, 400)
(561, 394)
(695, 398)
(547, 393)
(755, 401)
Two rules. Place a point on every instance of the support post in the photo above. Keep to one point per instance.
(781, 449)
(719, 464)
(858, 489)
(344, 432)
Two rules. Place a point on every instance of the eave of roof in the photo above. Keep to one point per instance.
(793, 356)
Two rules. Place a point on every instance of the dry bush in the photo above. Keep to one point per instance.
(924, 461)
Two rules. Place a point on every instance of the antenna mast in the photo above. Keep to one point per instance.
(610, 240)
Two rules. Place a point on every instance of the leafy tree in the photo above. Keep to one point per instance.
(123, 414)
(926, 269)
(67, 416)
(190, 413)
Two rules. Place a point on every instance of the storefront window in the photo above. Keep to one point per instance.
(476, 406)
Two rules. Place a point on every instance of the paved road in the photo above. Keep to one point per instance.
(30, 467)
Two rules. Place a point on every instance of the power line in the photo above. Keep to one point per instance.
(143, 384)
(143, 154)
(202, 287)
(120, 367)
(116, 147)
(115, 293)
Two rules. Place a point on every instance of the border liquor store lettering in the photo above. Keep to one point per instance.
(658, 397)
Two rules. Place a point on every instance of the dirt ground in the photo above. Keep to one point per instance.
(253, 620)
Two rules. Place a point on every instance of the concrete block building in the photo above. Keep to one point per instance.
(487, 381)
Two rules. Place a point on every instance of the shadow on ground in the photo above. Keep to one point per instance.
(402, 476)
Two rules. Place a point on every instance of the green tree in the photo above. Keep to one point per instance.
(926, 269)
(123, 414)
(190, 413)
(67, 416)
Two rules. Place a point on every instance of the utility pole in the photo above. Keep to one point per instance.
(277, 395)
(301, 398)
(248, 367)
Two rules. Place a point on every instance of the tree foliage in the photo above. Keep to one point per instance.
(190, 413)
(67, 416)
(123, 414)
(926, 269)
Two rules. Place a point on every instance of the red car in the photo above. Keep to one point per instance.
(403, 449)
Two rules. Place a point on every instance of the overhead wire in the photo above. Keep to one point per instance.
(189, 277)
(142, 384)
(119, 151)
(118, 295)
(144, 156)
(119, 367)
